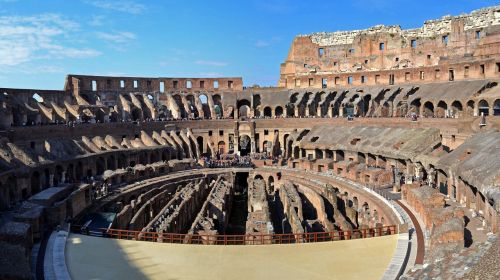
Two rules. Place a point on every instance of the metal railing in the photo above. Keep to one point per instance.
(248, 239)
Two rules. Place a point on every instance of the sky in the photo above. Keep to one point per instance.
(41, 41)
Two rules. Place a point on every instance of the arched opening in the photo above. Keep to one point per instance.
(267, 147)
(365, 105)
(296, 152)
(484, 107)
(268, 112)
(193, 111)
(278, 111)
(221, 147)
(199, 140)
(456, 108)
(204, 106)
(386, 110)
(244, 108)
(361, 158)
(496, 108)
(218, 106)
(415, 106)
(441, 109)
(470, 107)
(178, 101)
(245, 144)
(136, 114)
(318, 154)
(428, 109)
(270, 185)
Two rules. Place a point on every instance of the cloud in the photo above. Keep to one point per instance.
(211, 63)
(266, 43)
(96, 20)
(119, 37)
(210, 75)
(119, 6)
(261, 44)
(47, 36)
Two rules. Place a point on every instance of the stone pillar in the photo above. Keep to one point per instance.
(63, 177)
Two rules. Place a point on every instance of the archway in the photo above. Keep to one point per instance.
(428, 109)
(415, 106)
(35, 182)
(204, 105)
(218, 106)
(457, 108)
(221, 147)
(199, 140)
(496, 108)
(270, 185)
(484, 107)
(441, 109)
(244, 108)
(470, 107)
(268, 112)
(245, 145)
(278, 111)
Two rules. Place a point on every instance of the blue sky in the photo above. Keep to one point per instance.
(43, 40)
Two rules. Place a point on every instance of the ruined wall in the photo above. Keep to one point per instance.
(466, 44)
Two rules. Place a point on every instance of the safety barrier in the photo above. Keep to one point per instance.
(248, 239)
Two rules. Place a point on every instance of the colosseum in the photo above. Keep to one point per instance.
(377, 156)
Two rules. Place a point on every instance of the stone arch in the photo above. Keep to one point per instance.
(496, 108)
(193, 111)
(270, 185)
(244, 109)
(441, 109)
(268, 112)
(428, 109)
(204, 105)
(470, 107)
(415, 106)
(178, 100)
(296, 152)
(483, 107)
(318, 154)
(200, 142)
(457, 108)
(278, 111)
(218, 109)
(221, 147)
(385, 110)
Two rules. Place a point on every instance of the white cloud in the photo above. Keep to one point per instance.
(120, 6)
(47, 36)
(210, 75)
(119, 37)
(211, 63)
(266, 43)
(96, 20)
(261, 44)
